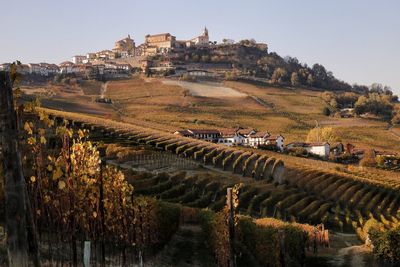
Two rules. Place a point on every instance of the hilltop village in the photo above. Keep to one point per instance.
(161, 54)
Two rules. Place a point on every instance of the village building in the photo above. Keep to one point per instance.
(159, 43)
(201, 40)
(105, 55)
(5, 67)
(165, 42)
(125, 47)
(209, 135)
(23, 69)
(276, 141)
(201, 73)
(36, 69)
(231, 138)
(337, 149)
(321, 149)
(79, 59)
(51, 69)
(257, 139)
(67, 67)
(91, 56)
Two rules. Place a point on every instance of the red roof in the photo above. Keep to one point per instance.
(260, 135)
(204, 131)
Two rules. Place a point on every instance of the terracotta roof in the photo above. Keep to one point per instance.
(245, 131)
(260, 135)
(158, 34)
(274, 137)
(66, 63)
(204, 131)
(183, 132)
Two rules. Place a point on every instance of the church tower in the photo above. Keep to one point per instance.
(205, 31)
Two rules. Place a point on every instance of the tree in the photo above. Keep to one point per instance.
(376, 104)
(294, 79)
(310, 80)
(396, 115)
(326, 111)
(333, 103)
(325, 134)
(279, 75)
(369, 158)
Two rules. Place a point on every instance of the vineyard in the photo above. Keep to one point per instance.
(341, 200)
(164, 170)
(344, 201)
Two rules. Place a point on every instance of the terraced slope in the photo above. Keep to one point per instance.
(307, 194)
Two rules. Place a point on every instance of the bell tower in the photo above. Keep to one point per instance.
(205, 31)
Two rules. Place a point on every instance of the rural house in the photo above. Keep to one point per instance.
(209, 135)
(231, 137)
(319, 149)
(277, 141)
(257, 139)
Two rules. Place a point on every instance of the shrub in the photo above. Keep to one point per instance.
(386, 244)
(168, 216)
(259, 240)
(326, 111)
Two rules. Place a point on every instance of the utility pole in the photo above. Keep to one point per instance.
(15, 188)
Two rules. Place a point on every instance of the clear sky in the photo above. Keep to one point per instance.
(359, 40)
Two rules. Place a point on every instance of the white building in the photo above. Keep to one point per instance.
(257, 139)
(79, 59)
(232, 137)
(67, 67)
(277, 140)
(5, 67)
(318, 149)
(209, 135)
(51, 69)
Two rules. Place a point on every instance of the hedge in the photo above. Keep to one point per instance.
(266, 245)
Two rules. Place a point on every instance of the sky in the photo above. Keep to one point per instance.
(358, 40)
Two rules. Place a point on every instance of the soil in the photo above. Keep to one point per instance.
(206, 89)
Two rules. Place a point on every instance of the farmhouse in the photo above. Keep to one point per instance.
(276, 141)
(318, 149)
(337, 149)
(231, 137)
(257, 139)
(209, 135)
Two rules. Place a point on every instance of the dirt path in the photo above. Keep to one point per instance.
(185, 249)
(103, 89)
(206, 89)
(346, 251)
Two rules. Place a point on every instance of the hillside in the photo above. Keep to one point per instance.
(291, 112)
(173, 105)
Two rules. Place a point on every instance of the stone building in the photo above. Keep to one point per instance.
(201, 40)
(125, 47)
(159, 43)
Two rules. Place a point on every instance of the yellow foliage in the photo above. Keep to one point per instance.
(325, 134)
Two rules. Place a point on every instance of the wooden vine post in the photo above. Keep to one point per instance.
(232, 201)
(15, 196)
